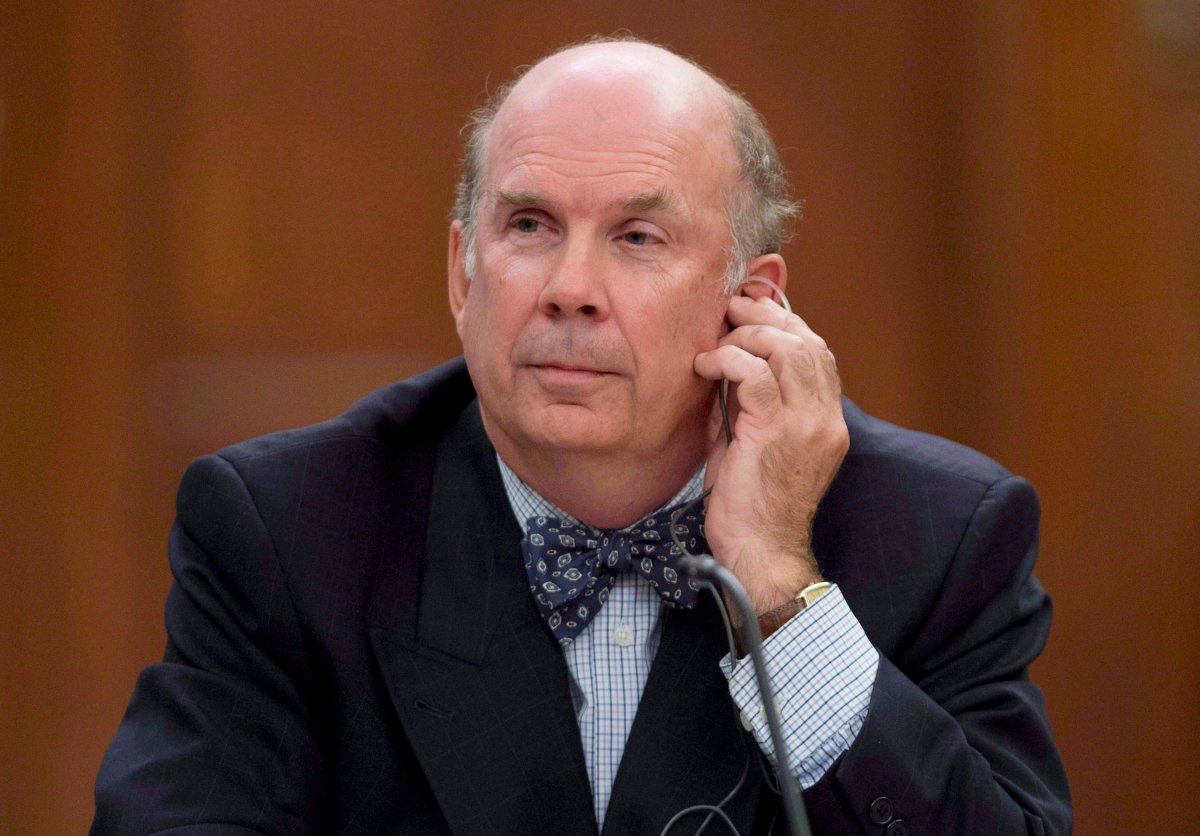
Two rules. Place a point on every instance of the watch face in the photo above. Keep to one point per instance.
(810, 594)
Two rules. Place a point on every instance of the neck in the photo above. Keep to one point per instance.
(603, 491)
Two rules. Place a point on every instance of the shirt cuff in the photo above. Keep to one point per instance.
(823, 667)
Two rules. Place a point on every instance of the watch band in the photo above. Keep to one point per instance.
(772, 620)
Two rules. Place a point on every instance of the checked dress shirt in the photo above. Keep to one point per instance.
(821, 663)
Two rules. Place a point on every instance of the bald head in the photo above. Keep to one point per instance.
(645, 73)
(626, 82)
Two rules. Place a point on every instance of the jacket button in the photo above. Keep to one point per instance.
(881, 811)
(897, 828)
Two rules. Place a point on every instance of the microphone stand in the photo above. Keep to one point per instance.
(706, 568)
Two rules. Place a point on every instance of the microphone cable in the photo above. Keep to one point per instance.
(713, 574)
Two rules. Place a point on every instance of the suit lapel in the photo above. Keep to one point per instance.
(481, 688)
(686, 746)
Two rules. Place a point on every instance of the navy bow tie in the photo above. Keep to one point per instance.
(571, 567)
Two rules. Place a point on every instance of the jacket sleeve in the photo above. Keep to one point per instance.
(956, 738)
(218, 736)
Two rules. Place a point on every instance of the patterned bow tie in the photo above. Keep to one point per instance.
(572, 567)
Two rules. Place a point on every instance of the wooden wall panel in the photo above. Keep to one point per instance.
(1085, 198)
(73, 547)
(225, 218)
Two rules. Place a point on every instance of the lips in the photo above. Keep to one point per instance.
(569, 367)
(564, 373)
(567, 379)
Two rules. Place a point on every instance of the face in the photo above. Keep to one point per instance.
(601, 243)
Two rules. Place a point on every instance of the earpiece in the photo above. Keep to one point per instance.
(783, 300)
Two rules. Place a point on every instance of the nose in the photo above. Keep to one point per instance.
(576, 285)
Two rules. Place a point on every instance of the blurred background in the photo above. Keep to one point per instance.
(223, 218)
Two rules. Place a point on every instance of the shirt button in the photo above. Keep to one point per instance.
(897, 828)
(623, 635)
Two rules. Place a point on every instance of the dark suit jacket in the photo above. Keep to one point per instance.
(352, 648)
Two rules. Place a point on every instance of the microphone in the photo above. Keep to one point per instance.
(705, 567)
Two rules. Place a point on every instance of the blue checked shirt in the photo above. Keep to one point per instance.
(821, 663)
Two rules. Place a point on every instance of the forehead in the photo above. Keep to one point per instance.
(597, 126)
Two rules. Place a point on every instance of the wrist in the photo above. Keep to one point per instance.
(787, 580)
(771, 620)
(772, 580)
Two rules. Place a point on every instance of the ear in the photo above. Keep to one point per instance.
(771, 267)
(456, 271)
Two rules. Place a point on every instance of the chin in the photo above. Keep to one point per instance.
(573, 428)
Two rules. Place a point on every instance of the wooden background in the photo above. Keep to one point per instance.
(223, 218)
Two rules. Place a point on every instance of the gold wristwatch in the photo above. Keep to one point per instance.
(772, 620)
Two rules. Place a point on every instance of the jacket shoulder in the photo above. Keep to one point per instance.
(871, 437)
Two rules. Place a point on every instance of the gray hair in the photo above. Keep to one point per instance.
(758, 208)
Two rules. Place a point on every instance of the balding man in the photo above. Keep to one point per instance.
(459, 608)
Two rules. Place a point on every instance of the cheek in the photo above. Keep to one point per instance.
(678, 321)
(687, 305)
(678, 339)
(477, 327)
(493, 317)
(700, 315)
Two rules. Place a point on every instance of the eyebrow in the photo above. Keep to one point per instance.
(657, 200)
(506, 197)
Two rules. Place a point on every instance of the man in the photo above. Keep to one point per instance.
(456, 607)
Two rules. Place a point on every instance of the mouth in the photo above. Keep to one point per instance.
(568, 368)
(568, 378)
(567, 373)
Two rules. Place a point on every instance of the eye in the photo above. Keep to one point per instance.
(526, 224)
(640, 235)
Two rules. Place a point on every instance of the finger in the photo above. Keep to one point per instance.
(742, 311)
(758, 392)
(797, 365)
